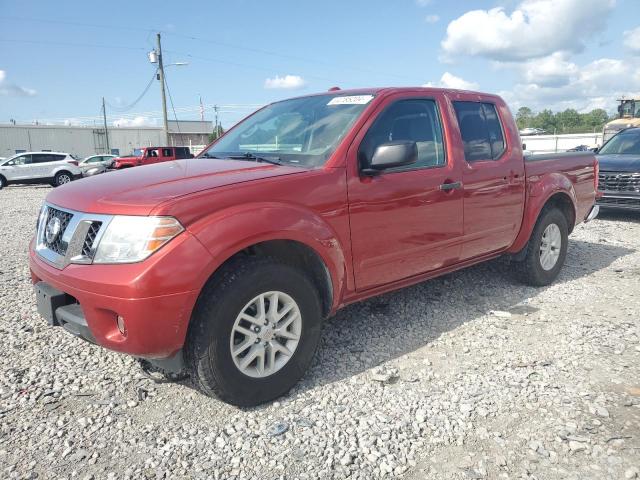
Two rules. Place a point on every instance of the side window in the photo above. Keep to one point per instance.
(167, 152)
(152, 153)
(57, 158)
(480, 130)
(21, 160)
(41, 157)
(413, 120)
(496, 139)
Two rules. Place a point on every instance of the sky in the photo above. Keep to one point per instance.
(58, 59)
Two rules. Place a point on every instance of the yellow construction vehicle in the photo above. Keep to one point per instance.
(628, 116)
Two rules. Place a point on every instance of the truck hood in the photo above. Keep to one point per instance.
(136, 191)
(619, 163)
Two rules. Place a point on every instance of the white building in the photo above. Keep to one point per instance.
(85, 141)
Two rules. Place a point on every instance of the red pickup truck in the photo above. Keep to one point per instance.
(225, 266)
(149, 155)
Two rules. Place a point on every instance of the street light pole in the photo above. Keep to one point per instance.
(164, 96)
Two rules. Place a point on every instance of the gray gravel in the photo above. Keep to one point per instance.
(468, 376)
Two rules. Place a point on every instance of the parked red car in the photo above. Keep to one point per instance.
(226, 266)
(149, 155)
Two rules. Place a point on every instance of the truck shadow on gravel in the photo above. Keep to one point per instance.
(364, 335)
(619, 216)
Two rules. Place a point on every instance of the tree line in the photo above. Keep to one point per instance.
(569, 121)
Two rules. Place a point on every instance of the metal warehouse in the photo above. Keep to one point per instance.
(85, 141)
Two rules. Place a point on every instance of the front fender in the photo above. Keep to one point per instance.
(229, 231)
(540, 188)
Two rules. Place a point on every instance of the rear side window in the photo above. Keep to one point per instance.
(481, 130)
(414, 120)
(166, 152)
(182, 152)
(42, 157)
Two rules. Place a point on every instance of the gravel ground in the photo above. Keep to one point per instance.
(467, 376)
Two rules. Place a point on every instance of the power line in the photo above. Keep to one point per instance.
(166, 83)
(305, 59)
(70, 44)
(135, 102)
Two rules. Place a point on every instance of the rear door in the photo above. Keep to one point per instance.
(493, 178)
(42, 165)
(167, 154)
(403, 223)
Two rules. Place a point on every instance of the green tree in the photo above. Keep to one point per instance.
(523, 117)
(217, 133)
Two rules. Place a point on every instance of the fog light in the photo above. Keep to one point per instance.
(121, 327)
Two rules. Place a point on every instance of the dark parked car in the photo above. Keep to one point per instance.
(619, 161)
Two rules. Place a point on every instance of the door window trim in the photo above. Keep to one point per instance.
(409, 168)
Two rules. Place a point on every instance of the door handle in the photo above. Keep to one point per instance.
(451, 186)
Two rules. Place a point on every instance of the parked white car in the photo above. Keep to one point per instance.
(96, 164)
(54, 168)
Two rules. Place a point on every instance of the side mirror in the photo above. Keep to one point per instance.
(595, 149)
(392, 154)
(524, 146)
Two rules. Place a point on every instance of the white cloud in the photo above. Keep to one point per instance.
(632, 40)
(535, 28)
(289, 82)
(552, 71)
(134, 122)
(448, 80)
(13, 90)
(432, 18)
(595, 85)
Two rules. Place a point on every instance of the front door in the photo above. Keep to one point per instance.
(403, 222)
(493, 178)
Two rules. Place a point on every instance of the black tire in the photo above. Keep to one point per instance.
(62, 178)
(207, 349)
(3, 182)
(530, 270)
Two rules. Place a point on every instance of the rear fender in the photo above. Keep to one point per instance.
(229, 231)
(540, 189)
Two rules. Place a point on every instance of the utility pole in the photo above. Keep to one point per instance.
(106, 131)
(215, 108)
(164, 96)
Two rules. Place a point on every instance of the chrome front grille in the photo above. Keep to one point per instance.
(55, 242)
(623, 182)
(88, 247)
(72, 238)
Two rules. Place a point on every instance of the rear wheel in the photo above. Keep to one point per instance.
(3, 182)
(546, 250)
(254, 331)
(62, 178)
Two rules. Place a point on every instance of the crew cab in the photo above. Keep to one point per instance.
(149, 155)
(225, 266)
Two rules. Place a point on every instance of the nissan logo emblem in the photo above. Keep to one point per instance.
(53, 229)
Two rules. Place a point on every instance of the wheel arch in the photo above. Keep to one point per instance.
(554, 190)
(293, 234)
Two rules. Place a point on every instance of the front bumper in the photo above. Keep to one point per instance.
(155, 298)
(614, 200)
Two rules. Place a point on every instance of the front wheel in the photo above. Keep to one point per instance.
(254, 331)
(546, 250)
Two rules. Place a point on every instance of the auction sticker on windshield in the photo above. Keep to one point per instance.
(351, 100)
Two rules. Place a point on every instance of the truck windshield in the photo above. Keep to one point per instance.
(623, 143)
(303, 131)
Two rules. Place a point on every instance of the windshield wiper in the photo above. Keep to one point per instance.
(255, 158)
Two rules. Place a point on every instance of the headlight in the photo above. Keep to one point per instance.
(132, 239)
